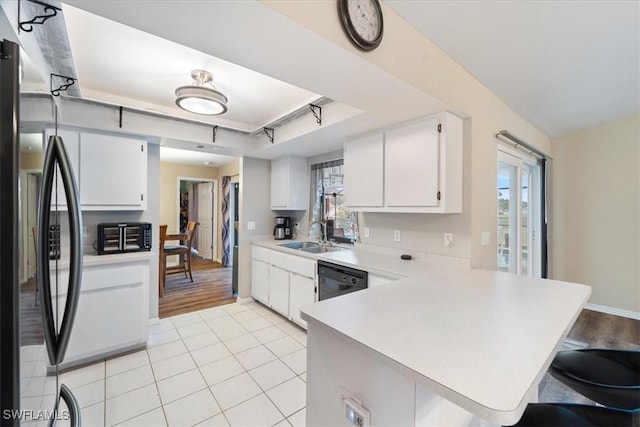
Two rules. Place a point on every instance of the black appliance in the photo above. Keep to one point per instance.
(335, 280)
(115, 238)
(57, 315)
(282, 230)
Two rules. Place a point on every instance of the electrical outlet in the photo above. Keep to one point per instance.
(448, 239)
(367, 232)
(296, 226)
(486, 238)
(396, 235)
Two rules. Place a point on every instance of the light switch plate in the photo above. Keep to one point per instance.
(251, 225)
(486, 238)
(448, 239)
(367, 232)
(396, 235)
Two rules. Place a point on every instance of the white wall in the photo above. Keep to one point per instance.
(169, 173)
(406, 54)
(255, 203)
(596, 211)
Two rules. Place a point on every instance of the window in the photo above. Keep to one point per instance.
(327, 202)
(519, 213)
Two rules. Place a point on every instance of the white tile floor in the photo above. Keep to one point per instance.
(237, 365)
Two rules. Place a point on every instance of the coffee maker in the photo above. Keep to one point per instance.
(282, 230)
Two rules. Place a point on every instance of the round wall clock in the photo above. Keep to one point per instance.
(362, 22)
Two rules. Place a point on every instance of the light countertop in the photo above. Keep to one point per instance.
(93, 259)
(482, 339)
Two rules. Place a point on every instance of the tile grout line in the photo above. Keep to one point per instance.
(250, 333)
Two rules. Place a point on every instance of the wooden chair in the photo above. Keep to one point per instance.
(183, 250)
(162, 265)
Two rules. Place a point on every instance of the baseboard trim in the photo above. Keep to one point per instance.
(154, 320)
(247, 300)
(612, 310)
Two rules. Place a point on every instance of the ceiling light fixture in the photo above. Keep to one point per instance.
(200, 99)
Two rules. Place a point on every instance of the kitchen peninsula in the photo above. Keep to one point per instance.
(444, 346)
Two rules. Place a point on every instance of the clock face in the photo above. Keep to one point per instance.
(362, 21)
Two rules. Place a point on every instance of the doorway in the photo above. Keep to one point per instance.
(197, 202)
(519, 213)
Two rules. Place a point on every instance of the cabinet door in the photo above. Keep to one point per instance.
(279, 183)
(412, 165)
(260, 281)
(113, 172)
(363, 172)
(71, 142)
(302, 292)
(279, 290)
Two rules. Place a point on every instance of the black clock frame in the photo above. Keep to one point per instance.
(352, 34)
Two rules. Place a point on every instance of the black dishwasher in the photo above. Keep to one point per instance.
(335, 280)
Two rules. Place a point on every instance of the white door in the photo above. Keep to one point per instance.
(519, 215)
(205, 218)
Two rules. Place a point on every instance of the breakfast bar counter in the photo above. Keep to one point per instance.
(443, 346)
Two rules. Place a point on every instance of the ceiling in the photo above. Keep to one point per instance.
(572, 66)
(564, 65)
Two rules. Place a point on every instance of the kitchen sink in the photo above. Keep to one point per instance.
(321, 249)
(311, 247)
(300, 245)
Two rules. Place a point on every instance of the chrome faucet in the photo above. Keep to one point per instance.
(323, 230)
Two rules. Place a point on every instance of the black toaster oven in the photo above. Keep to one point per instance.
(114, 238)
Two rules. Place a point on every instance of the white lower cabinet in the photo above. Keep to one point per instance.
(301, 293)
(260, 281)
(283, 282)
(113, 310)
(279, 290)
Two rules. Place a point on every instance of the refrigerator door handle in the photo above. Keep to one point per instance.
(57, 343)
(75, 419)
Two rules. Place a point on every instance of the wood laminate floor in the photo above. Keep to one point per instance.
(31, 332)
(592, 330)
(211, 287)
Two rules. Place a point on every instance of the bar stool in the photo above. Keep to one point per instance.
(572, 415)
(609, 377)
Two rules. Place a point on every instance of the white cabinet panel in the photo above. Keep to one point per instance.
(113, 172)
(279, 183)
(301, 293)
(279, 290)
(294, 264)
(260, 281)
(120, 288)
(412, 165)
(290, 183)
(363, 172)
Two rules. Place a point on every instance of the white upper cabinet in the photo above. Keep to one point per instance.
(113, 172)
(290, 183)
(415, 167)
(363, 172)
(411, 165)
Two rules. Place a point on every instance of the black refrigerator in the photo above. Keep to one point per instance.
(30, 386)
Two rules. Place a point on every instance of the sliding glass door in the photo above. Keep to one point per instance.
(519, 214)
